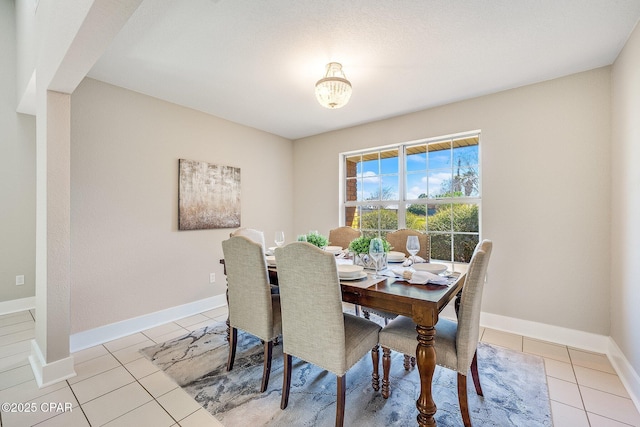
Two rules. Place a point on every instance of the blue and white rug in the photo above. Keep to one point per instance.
(514, 386)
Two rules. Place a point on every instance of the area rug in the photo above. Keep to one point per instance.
(514, 386)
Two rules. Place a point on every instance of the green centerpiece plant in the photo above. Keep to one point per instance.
(361, 244)
(359, 247)
(318, 240)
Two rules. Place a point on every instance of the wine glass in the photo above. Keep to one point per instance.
(413, 246)
(279, 238)
(376, 252)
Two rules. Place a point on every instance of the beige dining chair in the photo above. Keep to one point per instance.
(342, 236)
(455, 343)
(324, 336)
(252, 234)
(258, 237)
(398, 241)
(252, 307)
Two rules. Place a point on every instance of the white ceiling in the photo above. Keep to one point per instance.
(255, 62)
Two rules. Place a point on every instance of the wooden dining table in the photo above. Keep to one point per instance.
(422, 303)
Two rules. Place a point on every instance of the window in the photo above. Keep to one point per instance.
(432, 186)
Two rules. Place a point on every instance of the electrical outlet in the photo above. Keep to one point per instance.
(212, 277)
(19, 280)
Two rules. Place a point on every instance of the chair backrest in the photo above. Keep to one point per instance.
(249, 292)
(311, 306)
(342, 236)
(398, 241)
(252, 234)
(470, 304)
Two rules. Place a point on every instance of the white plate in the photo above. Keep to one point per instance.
(333, 249)
(271, 260)
(361, 276)
(394, 256)
(430, 267)
(396, 260)
(347, 271)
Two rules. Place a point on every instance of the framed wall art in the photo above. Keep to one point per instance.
(208, 196)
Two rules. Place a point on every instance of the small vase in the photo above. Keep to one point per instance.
(369, 263)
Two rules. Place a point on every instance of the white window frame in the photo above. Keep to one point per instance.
(402, 202)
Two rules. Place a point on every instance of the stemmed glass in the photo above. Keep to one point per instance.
(279, 238)
(376, 252)
(413, 246)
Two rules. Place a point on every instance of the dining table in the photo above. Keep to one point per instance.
(421, 302)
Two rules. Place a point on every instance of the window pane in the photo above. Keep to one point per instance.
(416, 216)
(439, 183)
(416, 186)
(465, 164)
(465, 218)
(463, 247)
(351, 190)
(389, 186)
(360, 189)
(351, 217)
(389, 162)
(370, 164)
(379, 218)
(416, 158)
(440, 155)
(441, 247)
(439, 217)
(351, 166)
(371, 188)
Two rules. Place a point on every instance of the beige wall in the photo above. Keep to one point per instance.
(546, 183)
(625, 206)
(17, 174)
(128, 258)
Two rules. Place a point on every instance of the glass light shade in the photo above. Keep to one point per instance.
(334, 90)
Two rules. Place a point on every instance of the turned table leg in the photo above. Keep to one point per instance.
(426, 361)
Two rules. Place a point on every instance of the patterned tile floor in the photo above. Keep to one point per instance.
(116, 386)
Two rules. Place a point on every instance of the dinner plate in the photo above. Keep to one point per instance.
(271, 260)
(347, 271)
(395, 256)
(333, 249)
(360, 276)
(430, 267)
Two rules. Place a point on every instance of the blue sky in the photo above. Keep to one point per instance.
(425, 172)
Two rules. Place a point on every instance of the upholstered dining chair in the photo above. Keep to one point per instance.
(258, 237)
(455, 343)
(398, 241)
(252, 307)
(252, 234)
(342, 236)
(324, 336)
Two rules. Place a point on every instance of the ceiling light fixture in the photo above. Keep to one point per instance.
(334, 90)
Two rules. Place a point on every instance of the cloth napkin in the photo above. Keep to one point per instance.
(410, 260)
(424, 277)
(417, 277)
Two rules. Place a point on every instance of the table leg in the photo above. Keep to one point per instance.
(426, 361)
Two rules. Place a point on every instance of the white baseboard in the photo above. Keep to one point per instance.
(16, 305)
(572, 338)
(629, 377)
(49, 373)
(542, 331)
(102, 334)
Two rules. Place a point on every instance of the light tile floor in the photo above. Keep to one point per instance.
(116, 386)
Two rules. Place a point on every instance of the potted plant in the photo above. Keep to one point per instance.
(359, 248)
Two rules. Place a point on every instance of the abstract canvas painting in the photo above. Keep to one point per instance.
(208, 196)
